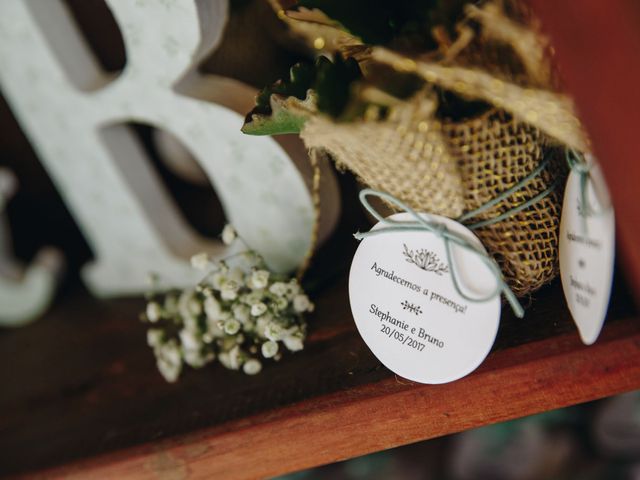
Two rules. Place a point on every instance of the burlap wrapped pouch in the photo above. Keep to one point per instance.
(493, 153)
(449, 168)
(404, 155)
(452, 167)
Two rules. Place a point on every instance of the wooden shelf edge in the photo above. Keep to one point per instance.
(512, 383)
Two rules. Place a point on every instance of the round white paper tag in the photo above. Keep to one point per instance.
(587, 249)
(408, 311)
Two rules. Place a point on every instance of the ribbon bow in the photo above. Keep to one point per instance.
(440, 230)
(578, 164)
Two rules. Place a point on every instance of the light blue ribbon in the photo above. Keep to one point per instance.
(420, 224)
(506, 194)
(578, 164)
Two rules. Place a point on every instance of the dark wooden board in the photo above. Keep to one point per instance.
(81, 382)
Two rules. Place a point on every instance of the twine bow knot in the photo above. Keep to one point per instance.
(449, 238)
(578, 164)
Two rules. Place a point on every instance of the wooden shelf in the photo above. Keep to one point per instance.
(80, 388)
(80, 395)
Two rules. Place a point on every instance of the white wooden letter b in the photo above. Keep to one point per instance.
(75, 115)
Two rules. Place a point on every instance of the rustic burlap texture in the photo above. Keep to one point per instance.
(508, 44)
(404, 155)
(453, 167)
(494, 152)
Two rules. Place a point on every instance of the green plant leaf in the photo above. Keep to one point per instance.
(272, 115)
(286, 115)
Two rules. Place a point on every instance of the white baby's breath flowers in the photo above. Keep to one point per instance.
(254, 297)
(183, 303)
(241, 314)
(269, 349)
(193, 358)
(154, 337)
(259, 279)
(292, 288)
(258, 309)
(293, 343)
(236, 275)
(231, 327)
(228, 234)
(252, 367)
(279, 289)
(273, 331)
(189, 339)
(171, 305)
(229, 290)
(191, 323)
(195, 306)
(217, 280)
(169, 360)
(301, 303)
(261, 325)
(231, 359)
(212, 309)
(200, 261)
(153, 312)
(208, 337)
(281, 303)
(215, 329)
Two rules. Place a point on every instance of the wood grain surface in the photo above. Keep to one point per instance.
(80, 396)
(541, 376)
(81, 384)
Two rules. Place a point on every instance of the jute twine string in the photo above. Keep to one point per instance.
(495, 152)
(418, 223)
(481, 158)
(314, 159)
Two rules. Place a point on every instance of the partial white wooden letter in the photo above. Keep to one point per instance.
(25, 293)
(75, 117)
